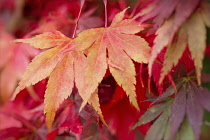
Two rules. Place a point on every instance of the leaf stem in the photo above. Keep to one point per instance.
(75, 28)
(105, 6)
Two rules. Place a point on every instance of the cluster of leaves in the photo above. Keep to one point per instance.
(88, 71)
(65, 62)
(176, 112)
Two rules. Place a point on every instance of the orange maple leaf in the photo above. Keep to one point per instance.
(65, 63)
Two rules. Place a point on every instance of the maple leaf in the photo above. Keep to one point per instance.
(122, 46)
(65, 63)
(193, 30)
(175, 48)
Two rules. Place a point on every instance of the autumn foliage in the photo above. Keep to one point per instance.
(107, 70)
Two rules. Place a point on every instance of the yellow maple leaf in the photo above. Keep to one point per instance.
(84, 61)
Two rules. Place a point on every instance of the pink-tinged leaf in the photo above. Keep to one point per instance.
(170, 27)
(196, 31)
(177, 112)
(47, 40)
(194, 111)
(59, 87)
(177, 48)
(167, 32)
(40, 68)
